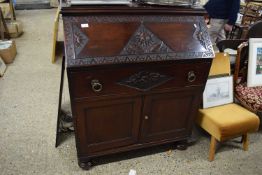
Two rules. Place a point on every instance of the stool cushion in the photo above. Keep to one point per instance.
(227, 121)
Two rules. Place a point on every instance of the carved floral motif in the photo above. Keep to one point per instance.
(144, 41)
(145, 80)
(199, 35)
(80, 39)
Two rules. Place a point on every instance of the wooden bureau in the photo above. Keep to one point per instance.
(136, 75)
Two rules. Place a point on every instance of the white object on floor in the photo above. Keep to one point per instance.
(5, 44)
(132, 172)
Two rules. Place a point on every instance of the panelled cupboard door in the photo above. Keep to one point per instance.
(107, 124)
(168, 116)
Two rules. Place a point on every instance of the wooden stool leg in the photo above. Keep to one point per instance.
(12, 9)
(212, 148)
(55, 34)
(245, 142)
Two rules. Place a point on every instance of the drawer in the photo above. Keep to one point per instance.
(136, 79)
(185, 75)
(99, 83)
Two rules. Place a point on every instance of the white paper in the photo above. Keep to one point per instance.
(132, 172)
(84, 25)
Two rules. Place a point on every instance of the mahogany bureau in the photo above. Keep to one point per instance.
(136, 75)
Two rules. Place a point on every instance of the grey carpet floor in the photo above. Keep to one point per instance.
(28, 109)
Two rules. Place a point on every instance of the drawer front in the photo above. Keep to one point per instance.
(134, 80)
(185, 75)
(99, 83)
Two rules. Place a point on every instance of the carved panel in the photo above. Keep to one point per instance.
(144, 41)
(145, 80)
(150, 49)
(80, 39)
(201, 34)
(68, 32)
(198, 35)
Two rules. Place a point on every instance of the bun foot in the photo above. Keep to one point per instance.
(85, 165)
(182, 145)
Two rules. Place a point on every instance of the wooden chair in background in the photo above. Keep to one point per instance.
(55, 34)
(11, 8)
(58, 46)
(3, 27)
(251, 14)
(249, 97)
(254, 31)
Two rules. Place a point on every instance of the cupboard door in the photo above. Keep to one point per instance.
(106, 124)
(169, 116)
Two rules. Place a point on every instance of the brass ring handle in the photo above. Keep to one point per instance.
(96, 86)
(191, 76)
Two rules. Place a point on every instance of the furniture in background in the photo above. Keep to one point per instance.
(55, 35)
(136, 75)
(11, 8)
(14, 26)
(243, 93)
(252, 12)
(254, 31)
(4, 33)
(226, 122)
(230, 44)
(249, 97)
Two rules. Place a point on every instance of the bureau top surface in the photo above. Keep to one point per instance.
(123, 35)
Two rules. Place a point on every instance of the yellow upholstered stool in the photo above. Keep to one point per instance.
(226, 122)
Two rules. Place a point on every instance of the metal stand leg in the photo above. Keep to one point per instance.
(60, 103)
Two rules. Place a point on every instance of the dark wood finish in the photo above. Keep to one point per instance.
(133, 9)
(240, 50)
(166, 115)
(255, 30)
(107, 124)
(229, 43)
(136, 75)
(81, 81)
